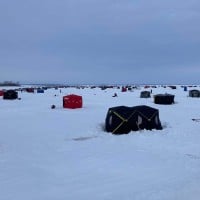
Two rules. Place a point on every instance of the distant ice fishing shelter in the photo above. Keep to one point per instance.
(165, 99)
(145, 94)
(30, 90)
(39, 90)
(72, 101)
(172, 87)
(194, 93)
(1, 93)
(185, 88)
(123, 119)
(124, 89)
(10, 95)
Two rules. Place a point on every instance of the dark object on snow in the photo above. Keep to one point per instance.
(30, 90)
(194, 93)
(115, 95)
(1, 92)
(124, 89)
(145, 94)
(53, 107)
(196, 120)
(185, 88)
(10, 94)
(72, 101)
(172, 87)
(40, 90)
(165, 99)
(122, 119)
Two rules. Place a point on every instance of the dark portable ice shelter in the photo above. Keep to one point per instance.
(145, 94)
(40, 90)
(194, 93)
(10, 94)
(172, 87)
(165, 99)
(185, 88)
(122, 119)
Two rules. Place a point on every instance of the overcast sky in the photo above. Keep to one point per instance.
(100, 41)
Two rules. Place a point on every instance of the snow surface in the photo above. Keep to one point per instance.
(60, 154)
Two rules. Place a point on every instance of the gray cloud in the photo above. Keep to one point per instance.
(99, 41)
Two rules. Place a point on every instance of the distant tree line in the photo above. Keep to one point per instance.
(9, 83)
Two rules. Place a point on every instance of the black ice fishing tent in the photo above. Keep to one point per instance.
(145, 94)
(165, 99)
(122, 119)
(10, 94)
(194, 93)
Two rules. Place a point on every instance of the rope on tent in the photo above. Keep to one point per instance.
(123, 120)
(149, 119)
(118, 127)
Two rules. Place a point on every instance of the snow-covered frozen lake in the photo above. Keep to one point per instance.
(64, 154)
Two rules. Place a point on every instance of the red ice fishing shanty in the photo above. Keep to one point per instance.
(72, 101)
